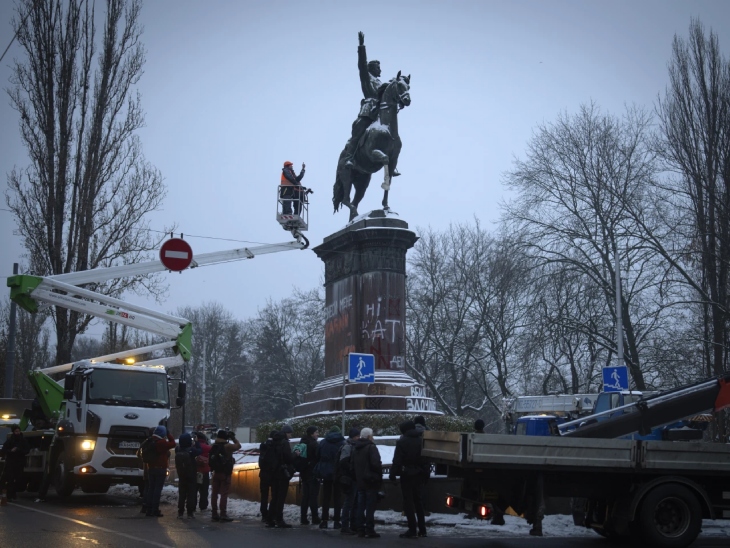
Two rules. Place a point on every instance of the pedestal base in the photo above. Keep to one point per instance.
(392, 392)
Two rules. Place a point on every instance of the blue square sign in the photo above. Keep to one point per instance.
(615, 378)
(361, 367)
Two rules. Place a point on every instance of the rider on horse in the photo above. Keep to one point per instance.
(372, 90)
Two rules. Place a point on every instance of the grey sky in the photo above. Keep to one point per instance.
(232, 89)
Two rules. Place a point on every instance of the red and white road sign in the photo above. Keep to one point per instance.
(176, 254)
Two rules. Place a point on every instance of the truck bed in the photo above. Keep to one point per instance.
(500, 451)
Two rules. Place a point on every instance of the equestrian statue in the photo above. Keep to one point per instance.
(374, 143)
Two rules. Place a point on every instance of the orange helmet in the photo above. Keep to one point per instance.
(288, 163)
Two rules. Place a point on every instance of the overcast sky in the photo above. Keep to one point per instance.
(232, 89)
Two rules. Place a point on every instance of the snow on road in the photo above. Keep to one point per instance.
(439, 524)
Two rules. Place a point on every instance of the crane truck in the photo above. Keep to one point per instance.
(655, 491)
(86, 430)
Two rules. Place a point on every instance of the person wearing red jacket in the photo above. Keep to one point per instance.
(203, 470)
(157, 471)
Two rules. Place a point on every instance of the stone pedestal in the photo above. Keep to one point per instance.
(365, 284)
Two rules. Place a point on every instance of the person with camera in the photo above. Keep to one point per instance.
(221, 463)
(369, 478)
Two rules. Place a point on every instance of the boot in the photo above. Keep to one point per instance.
(283, 525)
(316, 520)
(347, 531)
(337, 525)
(323, 525)
(409, 534)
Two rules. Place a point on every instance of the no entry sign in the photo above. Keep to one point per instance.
(176, 254)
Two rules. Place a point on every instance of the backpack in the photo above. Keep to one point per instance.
(218, 460)
(185, 465)
(344, 461)
(300, 461)
(147, 451)
(268, 459)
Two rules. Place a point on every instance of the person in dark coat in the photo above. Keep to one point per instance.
(14, 450)
(267, 470)
(369, 477)
(203, 487)
(284, 470)
(329, 448)
(413, 471)
(226, 443)
(310, 484)
(187, 475)
(157, 471)
(345, 478)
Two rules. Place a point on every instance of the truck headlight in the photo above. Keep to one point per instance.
(88, 445)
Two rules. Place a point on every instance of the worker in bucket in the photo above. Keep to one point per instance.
(291, 190)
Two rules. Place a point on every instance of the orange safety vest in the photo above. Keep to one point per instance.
(285, 181)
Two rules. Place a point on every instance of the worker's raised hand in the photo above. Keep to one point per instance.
(303, 165)
(361, 38)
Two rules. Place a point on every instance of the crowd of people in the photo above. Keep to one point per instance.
(195, 459)
(349, 471)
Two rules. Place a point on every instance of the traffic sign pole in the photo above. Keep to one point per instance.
(344, 391)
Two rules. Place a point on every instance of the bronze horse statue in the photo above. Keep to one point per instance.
(378, 148)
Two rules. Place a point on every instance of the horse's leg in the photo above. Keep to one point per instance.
(361, 183)
(386, 178)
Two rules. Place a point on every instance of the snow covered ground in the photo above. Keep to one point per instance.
(439, 524)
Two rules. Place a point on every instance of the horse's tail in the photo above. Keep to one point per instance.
(337, 194)
(338, 191)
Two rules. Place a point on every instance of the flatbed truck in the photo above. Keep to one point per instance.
(655, 491)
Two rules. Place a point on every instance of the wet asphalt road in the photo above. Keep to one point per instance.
(106, 520)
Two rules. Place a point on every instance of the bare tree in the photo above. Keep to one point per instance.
(83, 200)
(32, 347)
(285, 345)
(217, 357)
(579, 174)
(445, 329)
(694, 119)
(230, 408)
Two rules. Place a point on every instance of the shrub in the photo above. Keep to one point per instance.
(383, 424)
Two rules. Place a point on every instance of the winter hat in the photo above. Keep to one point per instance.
(335, 429)
(479, 424)
(160, 432)
(272, 434)
(186, 440)
(311, 430)
(201, 436)
(354, 432)
(407, 426)
(419, 420)
(287, 429)
(222, 434)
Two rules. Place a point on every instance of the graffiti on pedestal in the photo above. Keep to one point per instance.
(382, 331)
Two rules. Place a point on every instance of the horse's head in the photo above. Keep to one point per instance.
(398, 91)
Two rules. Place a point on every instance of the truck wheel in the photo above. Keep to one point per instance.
(62, 479)
(670, 516)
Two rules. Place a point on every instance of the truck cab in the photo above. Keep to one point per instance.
(109, 409)
(538, 425)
